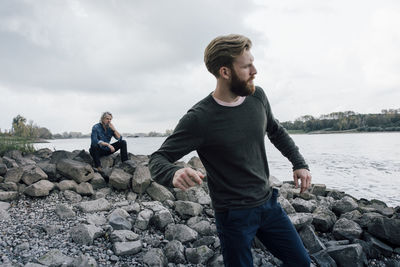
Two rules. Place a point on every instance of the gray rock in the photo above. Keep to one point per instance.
(346, 204)
(336, 194)
(10, 163)
(84, 156)
(123, 236)
(218, 261)
(9, 186)
(32, 174)
(127, 248)
(128, 166)
(120, 223)
(8, 196)
(50, 169)
(323, 219)
(85, 189)
(199, 255)
(175, 252)
(159, 192)
(14, 154)
(30, 264)
(72, 196)
(205, 241)
(348, 255)
(326, 202)
(54, 258)
(354, 215)
(96, 219)
(194, 194)
(84, 261)
(4, 216)
(67, 185)
(143, 219)
(155, 257)
(135, 208)
(319, 190)
(301, 205)
(59, 155)
(100, 204)
(85, 234)
(107, 161)
(386, 229)
(311, 240)
(300, 220)
(367, 218)
(39, 189)
(204, 228)
(4, 205)
(44, 153)
(285, 204)
(63, 211)
(379, 247)
(98, 181)
(161, 219)
(180, 232)
(141, 179)
(3, 169)
(346, 229)
(154, 206)
(323, 259)
(14, 175)
(275, 182)
(119, 179)
(188, 208)
(78, 171)
(196, 163)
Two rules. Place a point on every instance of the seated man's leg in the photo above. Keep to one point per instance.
(96, 153)
(280, 237)
(236, 231)
(121, 144)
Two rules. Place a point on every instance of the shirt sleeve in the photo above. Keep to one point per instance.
(280, 138)
(186, 138)
(94, 137)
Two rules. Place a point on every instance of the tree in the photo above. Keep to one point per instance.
(18, 127)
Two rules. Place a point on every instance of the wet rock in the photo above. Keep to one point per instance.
(39, 189)
(159, 192)
(78, 171)
(85, 234)
(155, 257)
(119, 179)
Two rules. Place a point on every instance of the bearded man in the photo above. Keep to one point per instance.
(227, 129)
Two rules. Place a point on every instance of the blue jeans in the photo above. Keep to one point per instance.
(269, 222)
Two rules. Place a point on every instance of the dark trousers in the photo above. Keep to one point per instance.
(269, 222)
(96, 152)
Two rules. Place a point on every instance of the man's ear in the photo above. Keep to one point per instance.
(225, 73)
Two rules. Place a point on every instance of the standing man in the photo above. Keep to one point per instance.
(227, 129)
(100, 140)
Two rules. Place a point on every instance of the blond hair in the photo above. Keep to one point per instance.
(223, 50)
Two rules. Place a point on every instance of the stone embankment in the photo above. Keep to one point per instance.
(56, 211)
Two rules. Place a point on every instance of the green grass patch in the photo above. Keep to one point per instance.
(8, 143)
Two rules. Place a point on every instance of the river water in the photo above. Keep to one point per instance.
(364, 165)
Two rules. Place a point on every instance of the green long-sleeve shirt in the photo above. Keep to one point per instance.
(230, 144)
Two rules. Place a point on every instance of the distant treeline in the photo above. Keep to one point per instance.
(388, 120)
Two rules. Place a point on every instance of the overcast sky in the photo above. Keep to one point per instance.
(62, 63)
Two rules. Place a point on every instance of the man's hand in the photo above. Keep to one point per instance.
(187, 177)
(305, 179)
(111, 148)
(111, 126)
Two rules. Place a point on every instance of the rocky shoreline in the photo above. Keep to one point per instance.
(56, 211)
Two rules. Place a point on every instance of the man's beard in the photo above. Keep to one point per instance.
(240, 87)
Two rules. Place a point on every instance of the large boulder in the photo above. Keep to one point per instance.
(159, 192)
(59, 155)
(8, 196)
(78, 171)
(199, 255)
(14, 175)
(32, 174)
(119, 179)
(141, 179)
(346, 229)
(299, 220)
(323, 219)
(180, 232)
(301, 205)
(195, 194)
(386, 229)
(311, 240)
(155, 257)
(175, 252)
(188, 208)
(348, 255)
(39, 189)
(346, 204)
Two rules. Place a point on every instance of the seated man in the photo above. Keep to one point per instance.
(100, 141)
